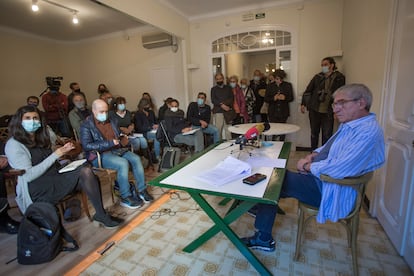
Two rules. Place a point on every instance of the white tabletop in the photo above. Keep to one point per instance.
(275, 128)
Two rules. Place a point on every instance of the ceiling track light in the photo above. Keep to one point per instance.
(35, 7)
(75, 19)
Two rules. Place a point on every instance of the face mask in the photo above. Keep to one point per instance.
(121, 107)
(102, 90)
(174, 109)
(31, 125)
(325, 69)
(256, 78)
(219, 83)
(200, 101)
(80, 105)
(109, 100)
(233, 85)
(77, 90)
(53, 91)
(243, 86)
(101, 117)
(33, 104)
(147, 109)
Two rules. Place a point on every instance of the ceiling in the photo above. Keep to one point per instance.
(95, 19)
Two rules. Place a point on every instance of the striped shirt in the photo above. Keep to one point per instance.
(358, 148)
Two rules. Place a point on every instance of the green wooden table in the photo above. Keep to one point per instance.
(271, 196)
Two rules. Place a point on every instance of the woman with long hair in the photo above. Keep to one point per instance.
(29, 149)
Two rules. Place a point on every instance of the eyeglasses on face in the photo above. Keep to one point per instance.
(341, 103)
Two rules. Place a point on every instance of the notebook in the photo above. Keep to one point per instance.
(72, 165)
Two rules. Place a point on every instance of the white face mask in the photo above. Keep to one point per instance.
(174, 109)
(325, 69)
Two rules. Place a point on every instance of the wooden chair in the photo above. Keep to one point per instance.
(12, 174)
(351, 222)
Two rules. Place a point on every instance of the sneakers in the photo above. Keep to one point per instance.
(107, 221)
(145, 196)
(254, 242)
(131, 202)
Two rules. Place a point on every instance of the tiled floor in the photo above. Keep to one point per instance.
(155, 247)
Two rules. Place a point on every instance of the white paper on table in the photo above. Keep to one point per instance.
(226, 171)
(258, 161)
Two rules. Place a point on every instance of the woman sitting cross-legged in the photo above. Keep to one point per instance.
(29, 149)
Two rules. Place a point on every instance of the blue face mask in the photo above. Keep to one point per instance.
(102, 117)
(31, 125)
(200, 101)
(325, 69)
(121, 107)
(233, 84)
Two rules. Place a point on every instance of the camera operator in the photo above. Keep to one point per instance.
(55, 104)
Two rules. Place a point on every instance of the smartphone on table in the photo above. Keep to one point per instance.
(254, 179)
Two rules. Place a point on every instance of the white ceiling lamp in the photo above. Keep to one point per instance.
(75, 19)
(35, 7)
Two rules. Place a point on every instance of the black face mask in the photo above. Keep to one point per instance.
(147, 109)
(219, 83)
(77, 90)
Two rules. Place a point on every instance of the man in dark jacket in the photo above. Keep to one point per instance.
(199, 115)
(180, 130)
(222, 98)
(317, 98)
(99, 134)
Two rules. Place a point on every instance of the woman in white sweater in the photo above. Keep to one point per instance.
(29, 149)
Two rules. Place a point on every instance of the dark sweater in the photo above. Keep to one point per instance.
(195, 113)
(144, 123)
(175, 122)
(221, 95)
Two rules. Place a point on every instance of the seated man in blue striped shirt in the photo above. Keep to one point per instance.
(355, 149)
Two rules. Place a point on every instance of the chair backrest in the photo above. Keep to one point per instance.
(359, 183)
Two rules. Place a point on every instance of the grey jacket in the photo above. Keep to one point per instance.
(19, 158)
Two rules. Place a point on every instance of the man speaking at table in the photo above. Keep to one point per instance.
(355, 149)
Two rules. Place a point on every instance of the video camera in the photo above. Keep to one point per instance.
(53, 83)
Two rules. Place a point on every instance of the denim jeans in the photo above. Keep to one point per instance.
(304, 187)
(121, 165)
(211, 129)
(138, 143)
(196, 139)
(157, 147)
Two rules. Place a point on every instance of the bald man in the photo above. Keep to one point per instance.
(100, 134)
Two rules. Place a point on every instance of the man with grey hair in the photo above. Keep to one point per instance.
(99, 134)
(355, 149)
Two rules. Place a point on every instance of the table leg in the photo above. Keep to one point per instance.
(221, 224)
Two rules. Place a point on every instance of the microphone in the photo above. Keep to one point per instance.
(250, 134)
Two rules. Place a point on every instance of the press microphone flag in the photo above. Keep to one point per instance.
(251, 133)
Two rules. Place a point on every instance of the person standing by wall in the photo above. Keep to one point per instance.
(317, 98)
(222, 99)
(256, 84)
(279, 94)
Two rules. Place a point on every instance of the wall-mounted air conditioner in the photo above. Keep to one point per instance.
(157, 40)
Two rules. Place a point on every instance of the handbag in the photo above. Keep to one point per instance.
(229, 116)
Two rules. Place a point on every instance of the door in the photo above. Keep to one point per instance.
(394, 194)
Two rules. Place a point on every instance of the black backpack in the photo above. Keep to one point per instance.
(41, 234)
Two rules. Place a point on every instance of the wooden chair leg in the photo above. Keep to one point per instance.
(299, 233)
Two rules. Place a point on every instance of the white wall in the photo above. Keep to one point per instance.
(123, 64)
